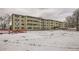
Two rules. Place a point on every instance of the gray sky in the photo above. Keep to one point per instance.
(49, 13)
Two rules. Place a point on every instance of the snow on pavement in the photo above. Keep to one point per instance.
(58, 40)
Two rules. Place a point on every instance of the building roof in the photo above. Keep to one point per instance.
(37, 17)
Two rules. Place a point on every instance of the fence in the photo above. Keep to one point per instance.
(3, 31)
(11, 31)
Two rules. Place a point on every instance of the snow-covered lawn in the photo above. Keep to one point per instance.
(40, 40)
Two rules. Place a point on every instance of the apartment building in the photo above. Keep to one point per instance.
(33, 23)
(47, 24)
(51, 24)
(62, 25)
(42, 24)
(23, 23)
(18, 22)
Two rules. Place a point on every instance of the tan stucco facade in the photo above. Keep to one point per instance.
(20, 22)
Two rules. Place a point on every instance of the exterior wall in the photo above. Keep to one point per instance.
(42, 24)
(33, 23)
(47, 24)
(52, 24)
(18, 22)
(62, 25)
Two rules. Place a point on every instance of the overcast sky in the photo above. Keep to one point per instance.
(49, 13)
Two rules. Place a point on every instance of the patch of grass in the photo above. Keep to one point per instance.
(23, 36)
(39, 45)
(64, 33)
(32, 44)
(1, 33)
(5, 40)
(17, 41)
(26, 39)
(27, 50)
(51, 34)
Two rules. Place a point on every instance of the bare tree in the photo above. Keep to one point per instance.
(70, 21)
(4, 21)
(76, 15)
(1, 21)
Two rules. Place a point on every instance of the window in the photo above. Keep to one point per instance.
(51, 22)
(29, 24)
(29, 27)
(22, 27)
(16, 19)
(22, 20)
(16, 27)
(56, 23)
(22, 24)
(29, 20)
(35, 24)
(36, 28)
(16, 24)
(22, 16)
